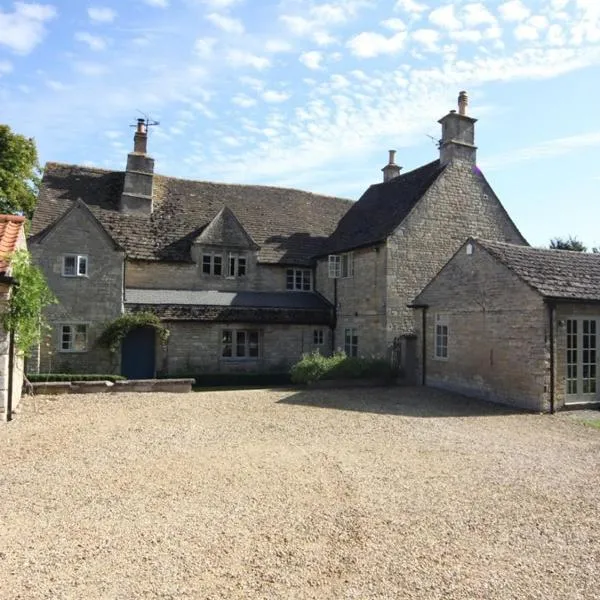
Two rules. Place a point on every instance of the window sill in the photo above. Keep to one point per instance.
(72, 351)
(240, 358)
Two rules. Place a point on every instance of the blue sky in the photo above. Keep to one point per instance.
(312, 93)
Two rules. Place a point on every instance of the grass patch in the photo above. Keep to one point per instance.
(593, 423)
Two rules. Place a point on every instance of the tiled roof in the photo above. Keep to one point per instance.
(290, 226)
(11, 228)
(560, 274)
(381, 209)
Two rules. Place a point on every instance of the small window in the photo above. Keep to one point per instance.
(351, 342)
(441, 337)
(73, 338)
(299, 280)
(212, 264)
(335, 266)
(318, 337)
(75, 265)
(240, 343)
(348, 265)
(237, 265)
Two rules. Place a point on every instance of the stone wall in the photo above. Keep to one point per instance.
(460, 204)
(361, 299)
(498, 347)
(94, 300)
(17, 382)
(195, 348)
(189, 276)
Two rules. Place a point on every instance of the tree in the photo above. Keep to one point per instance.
(570, 243)
(19, 173)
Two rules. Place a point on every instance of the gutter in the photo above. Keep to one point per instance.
(551, 319)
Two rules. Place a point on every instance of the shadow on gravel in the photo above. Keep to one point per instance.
(404, 401)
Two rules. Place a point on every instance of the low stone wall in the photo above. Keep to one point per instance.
(95, 387)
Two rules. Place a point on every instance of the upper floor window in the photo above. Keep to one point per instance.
(441, 336)
(75, 265)
(212, 264)
(237, 265)
(299, 280)
(73, 337)
(341, 265)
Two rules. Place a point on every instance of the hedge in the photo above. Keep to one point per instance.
(44, 377)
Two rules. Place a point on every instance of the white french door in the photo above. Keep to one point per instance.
(582, 359)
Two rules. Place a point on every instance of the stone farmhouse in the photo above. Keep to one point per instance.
(251, 277)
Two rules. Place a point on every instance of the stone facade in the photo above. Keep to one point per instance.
(17, 376)
(497, 333)
(92, 300)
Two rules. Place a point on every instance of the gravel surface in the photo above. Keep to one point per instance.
(385, 493)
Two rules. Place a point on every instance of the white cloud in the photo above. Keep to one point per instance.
(445, 18)
(157, 3)
(467, 35)
(274, 97)
(238, 58)
(243, 100)
(56, 86)
(368, 44)
(204, 47)
(312, 59)
(226, 24)
(477, 14)
(94, 42)
(5, 67)
(221, 4)
(428, 38)
(101, 14)
(526, 32)
(411, 6)
(23, 29)
(90, 69)
(275, 46)
(394, 24)
(514, 10)
(555, 36)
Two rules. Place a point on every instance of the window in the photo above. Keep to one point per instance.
(318, 337)
(75, 265)
(237, 265)
(73, 338)
(351, 342)
(212, 264)
(299, 280)
(441, 336)
(341, 265)
(240, 343)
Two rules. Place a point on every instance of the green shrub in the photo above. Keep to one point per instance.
(313, 367)
(37, 377)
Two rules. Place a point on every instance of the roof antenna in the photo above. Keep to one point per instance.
(148, 121)
(436, 141)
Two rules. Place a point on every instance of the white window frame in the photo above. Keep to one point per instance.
(234, 343)
(79, 260)
(298, 274)
(341, 266)
(72, 328)
(351, 341)
(318, 337)
(236, 257)
(441, 337)
(212, 256)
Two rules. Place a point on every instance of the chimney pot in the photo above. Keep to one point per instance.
(391, 170)
(392, 157)
(141, 126)
(463, 102)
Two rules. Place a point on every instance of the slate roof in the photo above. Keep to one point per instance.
(304, 300)
(11, 229)
(381, 209)
(290, 226)
(560, 274)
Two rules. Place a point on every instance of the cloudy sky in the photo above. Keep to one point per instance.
(312, 93)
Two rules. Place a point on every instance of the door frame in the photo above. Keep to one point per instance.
(582, 339)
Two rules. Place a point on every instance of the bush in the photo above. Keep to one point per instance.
(313, 367)
(36, 377)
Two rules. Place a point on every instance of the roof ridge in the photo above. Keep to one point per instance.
(521, 247)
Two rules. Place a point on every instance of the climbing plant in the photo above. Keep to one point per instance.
(117, 330)
(24, 311)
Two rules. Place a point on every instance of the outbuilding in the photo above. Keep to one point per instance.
(513, 324)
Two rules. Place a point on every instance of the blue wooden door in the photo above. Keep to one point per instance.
(138, 353)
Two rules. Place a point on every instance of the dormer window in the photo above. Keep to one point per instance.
(75, 265)
(237, 265)
(212, 264)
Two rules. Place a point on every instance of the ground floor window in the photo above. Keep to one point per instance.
(441, 336)
(318, 337)
(73, 337)
(240, 343)
(351, 341)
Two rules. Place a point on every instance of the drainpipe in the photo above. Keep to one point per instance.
(11, 366)
(423, 308)
(335, 301)
(551, 320)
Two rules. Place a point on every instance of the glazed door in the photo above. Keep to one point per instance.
(582, 360)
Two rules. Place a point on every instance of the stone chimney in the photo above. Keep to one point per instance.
(458, 134)
(136, 198)
(391, 170)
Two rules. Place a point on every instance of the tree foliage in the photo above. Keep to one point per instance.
(29, 297)
(117, 330)
(570, 243)
(19, 173)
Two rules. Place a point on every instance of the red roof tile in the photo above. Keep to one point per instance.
(11, 229)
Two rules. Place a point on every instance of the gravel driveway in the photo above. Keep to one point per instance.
(386, 493)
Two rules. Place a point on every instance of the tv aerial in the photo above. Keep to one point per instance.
(147, 121)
